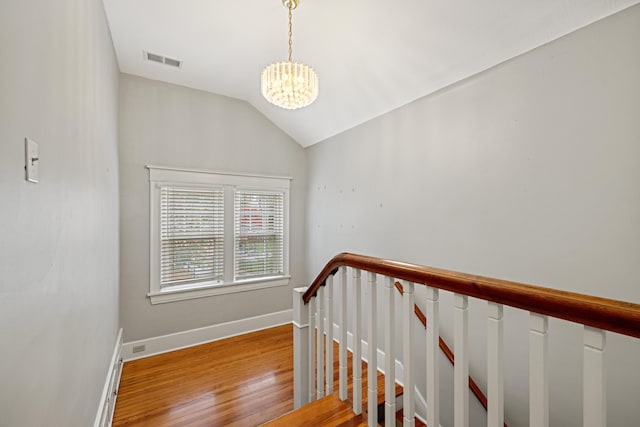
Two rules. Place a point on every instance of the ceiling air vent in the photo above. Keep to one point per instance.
(162, 59)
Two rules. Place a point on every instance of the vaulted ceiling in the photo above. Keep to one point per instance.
(371, 56)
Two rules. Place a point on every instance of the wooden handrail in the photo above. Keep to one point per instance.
(475, 389)
(611, 315)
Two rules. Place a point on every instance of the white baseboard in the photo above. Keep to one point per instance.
(190, 338)
(421, 403)
(107, 403)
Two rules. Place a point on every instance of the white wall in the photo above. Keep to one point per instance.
(58, 238)
(529, 171)
(168, 125)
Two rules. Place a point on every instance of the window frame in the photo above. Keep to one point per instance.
(162, 176)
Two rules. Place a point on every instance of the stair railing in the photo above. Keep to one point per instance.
(444, 347)
(598, 315)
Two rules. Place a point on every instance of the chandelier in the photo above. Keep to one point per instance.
(289, 84)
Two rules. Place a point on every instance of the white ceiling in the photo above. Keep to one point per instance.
(371, 56)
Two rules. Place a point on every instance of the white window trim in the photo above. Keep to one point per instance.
(160, 176)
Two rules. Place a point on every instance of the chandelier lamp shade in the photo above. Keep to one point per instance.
(288, 84)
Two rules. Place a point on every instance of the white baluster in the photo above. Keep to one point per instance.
(301, 360)
(495, 366)
(372, 354)
(408, 397)
(461, 368)
(538, 371)
(433, 370)
(594, 410)
(357, 342)
(342, 356)
(320, 345)
(390, 357)
(329, 372)
(312, 349)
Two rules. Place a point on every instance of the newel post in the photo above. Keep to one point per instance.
(301, 336)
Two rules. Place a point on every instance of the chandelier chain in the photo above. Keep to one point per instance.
(290, 30)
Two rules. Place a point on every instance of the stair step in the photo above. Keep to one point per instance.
(356, 421)
(329, 411)
(380, 397)
(400, 415)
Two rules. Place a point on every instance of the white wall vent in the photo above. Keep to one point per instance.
(154, 57)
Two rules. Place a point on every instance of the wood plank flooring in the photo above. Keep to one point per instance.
(240, 381)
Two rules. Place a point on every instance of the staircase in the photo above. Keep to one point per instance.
(317, 404)
(330, 410)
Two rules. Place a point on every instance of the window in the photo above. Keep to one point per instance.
(259, 234)
(191, 236)
(215, 233)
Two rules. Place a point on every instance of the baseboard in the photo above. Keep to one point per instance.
(107, 403)
(184, 339)
(421, 403)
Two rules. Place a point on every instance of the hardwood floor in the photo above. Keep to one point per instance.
(240, 381)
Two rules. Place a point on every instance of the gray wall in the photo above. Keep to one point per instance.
(58, 238)
(168, 125)
(529, 171)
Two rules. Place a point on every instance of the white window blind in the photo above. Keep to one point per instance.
(191, 236)
(259, 234)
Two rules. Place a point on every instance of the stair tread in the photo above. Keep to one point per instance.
(380, 397)
(356, 421)
(329, 411)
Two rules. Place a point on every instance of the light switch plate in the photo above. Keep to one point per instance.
(31, 160)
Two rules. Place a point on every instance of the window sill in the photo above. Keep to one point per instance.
(172, 295)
